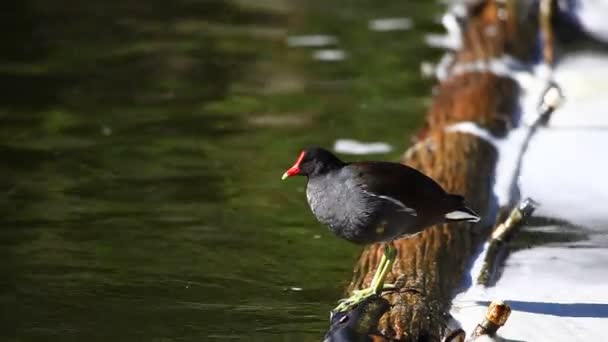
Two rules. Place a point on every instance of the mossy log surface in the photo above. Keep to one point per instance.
(434, 262)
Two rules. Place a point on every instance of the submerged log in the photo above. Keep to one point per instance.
(434, 262)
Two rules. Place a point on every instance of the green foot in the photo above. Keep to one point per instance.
(358, 296)
(377, 286)
(385, 288)
(347, 304)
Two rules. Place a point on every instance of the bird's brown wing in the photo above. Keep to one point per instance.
(403, 183)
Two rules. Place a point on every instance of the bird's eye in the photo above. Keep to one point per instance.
(343, 319)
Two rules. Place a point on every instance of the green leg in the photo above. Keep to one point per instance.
(381, 267)
(390, 253)
(377, 286)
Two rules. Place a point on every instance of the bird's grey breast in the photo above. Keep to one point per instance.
(336, 201)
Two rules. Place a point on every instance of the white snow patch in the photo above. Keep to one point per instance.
(555, 293)
(509, 151)
(452, 40)
(591, 15)
(566, 170)
(474, 129)
(559, 291)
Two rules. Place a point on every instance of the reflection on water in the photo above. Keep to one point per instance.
(142, 147)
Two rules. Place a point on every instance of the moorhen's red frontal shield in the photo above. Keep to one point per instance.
(295, 169)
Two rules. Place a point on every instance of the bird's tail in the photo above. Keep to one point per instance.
(458, 212)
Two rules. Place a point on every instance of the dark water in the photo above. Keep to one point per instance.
(142, 144)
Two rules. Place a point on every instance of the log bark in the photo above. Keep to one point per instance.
(435, 261)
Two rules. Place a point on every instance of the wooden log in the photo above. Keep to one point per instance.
(434, 262)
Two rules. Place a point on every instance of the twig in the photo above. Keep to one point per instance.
(551, 99)
(502, 234)
(496, 316)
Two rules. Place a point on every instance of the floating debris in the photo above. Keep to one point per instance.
(350, 146)
(106, 131)
(294, 289)
(329, 55)
(317, 40)
(390, 24)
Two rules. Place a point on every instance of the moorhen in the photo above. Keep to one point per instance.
(374, 201)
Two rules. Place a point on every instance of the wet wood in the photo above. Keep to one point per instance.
(435, 261)
(546, 13)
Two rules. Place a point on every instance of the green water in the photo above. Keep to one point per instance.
(142, 146)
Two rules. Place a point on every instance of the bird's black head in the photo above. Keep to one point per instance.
(314, 161)
(357, 324)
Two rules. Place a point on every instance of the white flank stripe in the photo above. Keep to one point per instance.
(394, 201)
(460, 215)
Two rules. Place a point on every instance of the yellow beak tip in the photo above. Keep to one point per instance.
(284, 176)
